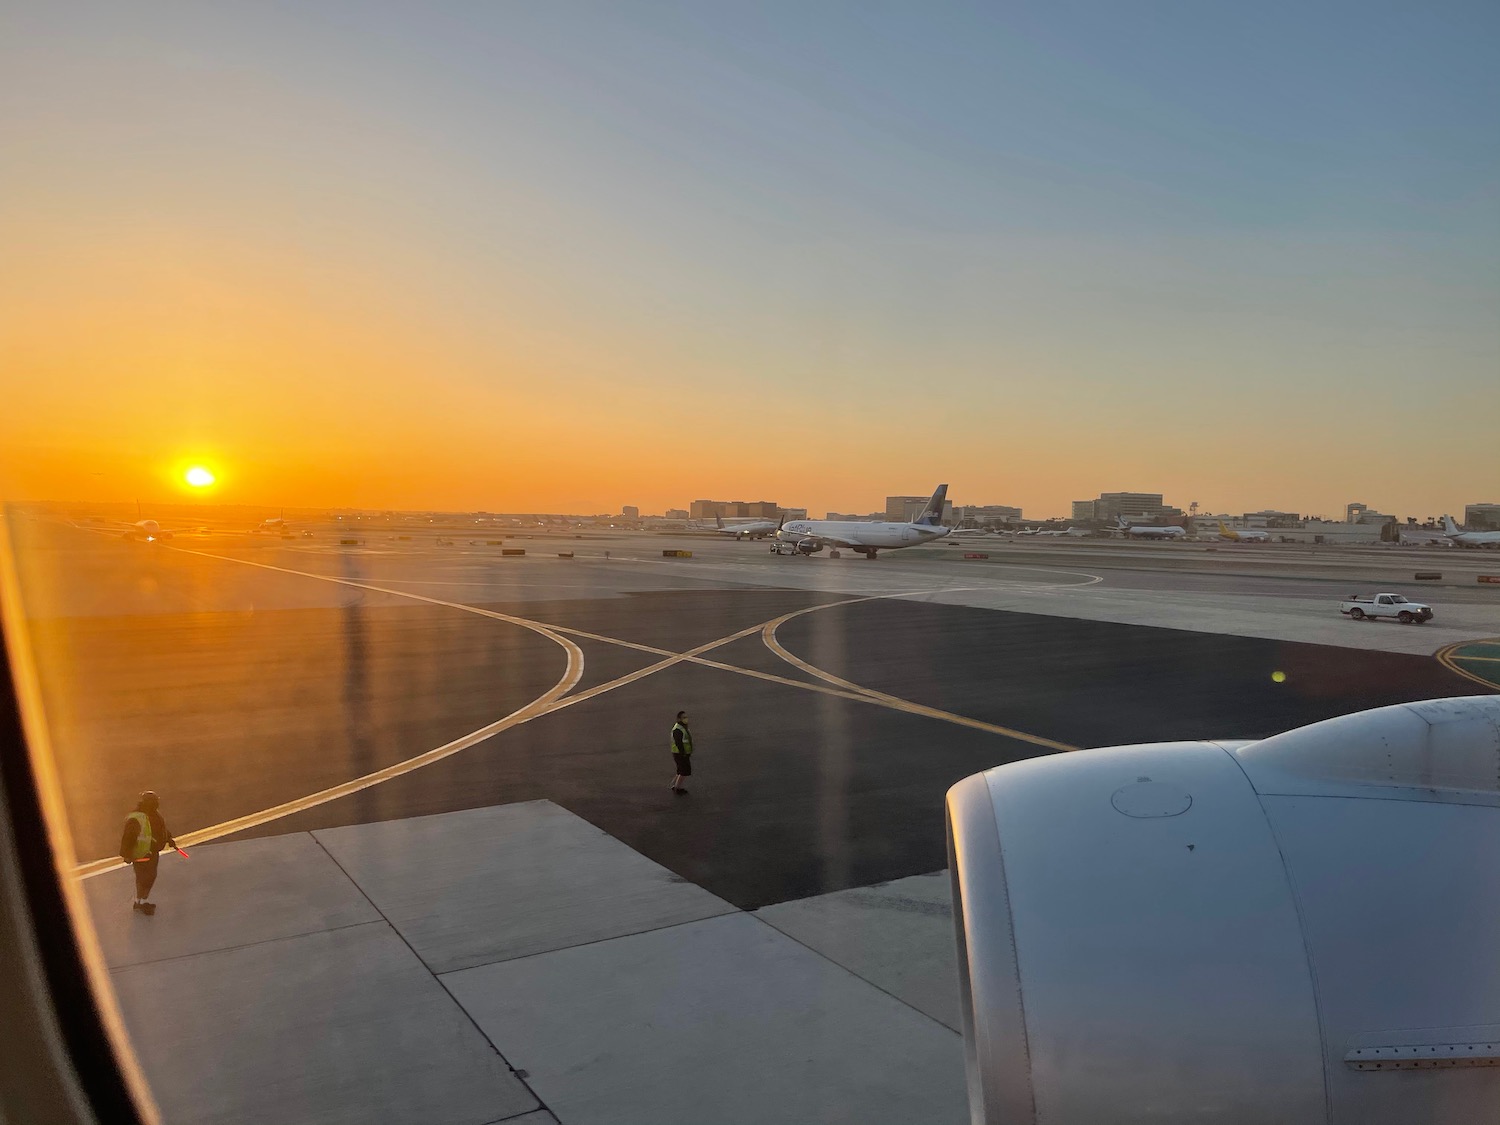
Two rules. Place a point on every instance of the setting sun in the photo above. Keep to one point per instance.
(199, 477)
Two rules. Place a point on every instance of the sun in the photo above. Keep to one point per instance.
(199, 477)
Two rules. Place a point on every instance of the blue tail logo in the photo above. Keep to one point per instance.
(932, 515)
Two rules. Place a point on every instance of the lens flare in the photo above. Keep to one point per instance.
(1278, 677)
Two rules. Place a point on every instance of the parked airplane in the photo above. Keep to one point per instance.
(1470, 538)
(1169, 532)
(1242, 536)
(807, 537)
(754, 529)
(968, 532)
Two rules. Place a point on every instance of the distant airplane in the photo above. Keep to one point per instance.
(1242, 536)
(1147, 532)
(277, 526)
(1469, 538)
(1070, 533)
(968, 532)
(807, 537)
(751, 529)
(146, 531)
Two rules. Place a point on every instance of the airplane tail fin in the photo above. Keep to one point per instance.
(1449, 526)
(932, 515)
(1121, 524)
(718, 521)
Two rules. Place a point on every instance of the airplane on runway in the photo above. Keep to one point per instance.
(1469, 538)
(1070, 533)
(968, 532)
(1148, 532)
(753, 529)
(1243, 536)
(807, 537)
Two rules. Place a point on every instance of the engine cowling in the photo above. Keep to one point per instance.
(1301, 929)
(809, 546)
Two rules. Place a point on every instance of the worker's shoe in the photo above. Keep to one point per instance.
(148, 908)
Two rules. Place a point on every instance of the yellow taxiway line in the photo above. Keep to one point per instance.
(1447, 658)
(558, 697)
(768, 635)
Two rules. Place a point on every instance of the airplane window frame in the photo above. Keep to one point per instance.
(62, 1063)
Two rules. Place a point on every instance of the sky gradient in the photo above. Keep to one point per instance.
(570, 256)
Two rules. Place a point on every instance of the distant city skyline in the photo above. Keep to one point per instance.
(569, 256)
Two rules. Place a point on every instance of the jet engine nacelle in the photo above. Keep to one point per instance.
(1303, 929)
(809, 546)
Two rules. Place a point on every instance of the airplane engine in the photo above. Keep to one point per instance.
(1303, 929)
(809, 546)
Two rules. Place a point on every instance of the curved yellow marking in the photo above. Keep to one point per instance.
(768, 636)
(543, 703)
(1445, 657)
(557, 698)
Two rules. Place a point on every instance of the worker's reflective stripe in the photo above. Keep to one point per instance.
(687, 739)
(143, 841)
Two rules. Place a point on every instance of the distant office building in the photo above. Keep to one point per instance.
(1269, 517)
(1084, 511)
(904, 509)
(987, 513)
(1140, 506)
(630, 512)
(899, 509)
(734, 509)
(1370, 517)
(1354, 512)
(1482, 517)
(794, 513)
(676, 514)
(867, 517)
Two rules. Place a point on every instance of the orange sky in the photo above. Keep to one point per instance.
(349, 279)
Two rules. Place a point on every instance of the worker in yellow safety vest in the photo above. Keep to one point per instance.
(682, 752)
(141, 844)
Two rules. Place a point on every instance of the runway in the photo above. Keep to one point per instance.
(267, 686)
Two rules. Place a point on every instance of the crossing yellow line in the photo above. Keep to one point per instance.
(558, 697)
(768, 635)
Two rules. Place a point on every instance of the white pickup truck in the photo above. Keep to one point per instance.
(1386, 605)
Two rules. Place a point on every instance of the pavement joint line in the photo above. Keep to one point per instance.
(381, 921)
(557, 698)
(857, 976)
(435, 978)
(733, 909)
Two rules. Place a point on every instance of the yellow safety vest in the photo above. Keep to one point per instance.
(144, 840)
(687, 739)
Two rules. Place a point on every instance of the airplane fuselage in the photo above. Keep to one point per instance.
(858, 535)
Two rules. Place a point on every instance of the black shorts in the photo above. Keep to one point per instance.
(683, 764)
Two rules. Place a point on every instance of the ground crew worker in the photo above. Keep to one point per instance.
(140, 846)
(682, 751)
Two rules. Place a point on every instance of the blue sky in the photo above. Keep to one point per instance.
(1067, 223)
